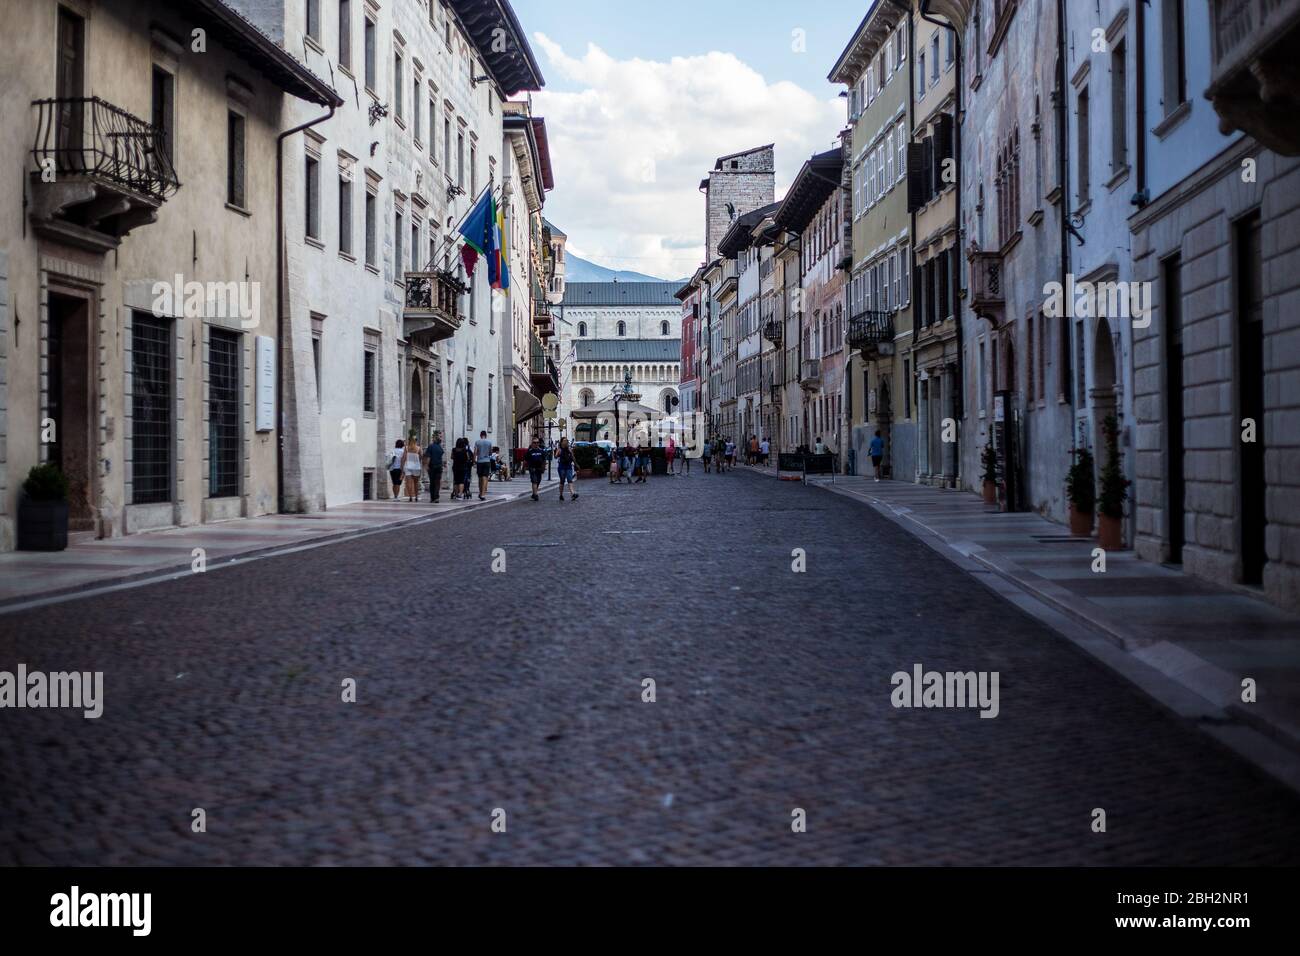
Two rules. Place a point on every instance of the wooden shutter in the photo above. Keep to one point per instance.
(915, 176)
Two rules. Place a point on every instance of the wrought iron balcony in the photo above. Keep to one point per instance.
(543, 319)
(432, 310)
(773, 330)
(100, 172)
(872, 332)
(1253, 81)
(987, 298)
(543, 372)
(810, 373)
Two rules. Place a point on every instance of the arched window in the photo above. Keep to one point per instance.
(663, 328)
(622, 328)
(582, 328)
(586, 397)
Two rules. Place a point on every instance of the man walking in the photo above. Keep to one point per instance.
(764, 450)
(483, 458)
(877, 453)
(433, 458)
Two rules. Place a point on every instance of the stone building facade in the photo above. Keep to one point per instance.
(1216, 370)
(737, 184)
(607, 327)
(138, 317)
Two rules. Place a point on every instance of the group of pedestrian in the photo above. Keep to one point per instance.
(630, 463)
(407, 463)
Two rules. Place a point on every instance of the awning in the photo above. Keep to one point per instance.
(527, 406)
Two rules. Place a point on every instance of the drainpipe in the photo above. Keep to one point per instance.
(1063, 180)
(958, 366)
(1140, 28)
(279, 298)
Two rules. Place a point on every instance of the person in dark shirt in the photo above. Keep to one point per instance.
(536, 461)
(567, 465)
(461, 463)
(433, 458)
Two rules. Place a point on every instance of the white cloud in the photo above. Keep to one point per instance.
(631, 145)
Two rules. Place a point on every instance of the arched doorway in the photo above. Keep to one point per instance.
(884, 417)
(1102, 396)
(418, 417)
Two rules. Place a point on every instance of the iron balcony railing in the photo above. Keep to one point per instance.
(88, 136)
(772, 331)
(432, 309)
(870, 329)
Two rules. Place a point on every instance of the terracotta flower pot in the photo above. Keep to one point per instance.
(990, 492)
(1110, 533)
(1080, 523)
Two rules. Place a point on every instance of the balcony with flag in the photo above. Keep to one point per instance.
(432, 311)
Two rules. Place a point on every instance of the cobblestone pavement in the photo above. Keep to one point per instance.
(522, 691)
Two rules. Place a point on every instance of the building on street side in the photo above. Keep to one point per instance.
(874, 68)
(1216, 239)
(138, 315)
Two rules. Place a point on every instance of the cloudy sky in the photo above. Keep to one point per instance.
(641, 98)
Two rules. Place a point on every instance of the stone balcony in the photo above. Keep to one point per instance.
(100, 172)
(810, 374)
(432, 309)
(1254, 76)
(988, 301)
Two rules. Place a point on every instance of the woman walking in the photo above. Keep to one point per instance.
(460, 467)
(567, 466)
(412, 469)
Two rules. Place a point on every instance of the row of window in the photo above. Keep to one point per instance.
(881, 286)
(881, 169)
(888, 60)
(665, 329)
(153, 406)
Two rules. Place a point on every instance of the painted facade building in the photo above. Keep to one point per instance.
(874, 67)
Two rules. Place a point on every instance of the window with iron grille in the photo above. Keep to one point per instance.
(235, 159)
(223, 414)
(151, 409)
(368, 401)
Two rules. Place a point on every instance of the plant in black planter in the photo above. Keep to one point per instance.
(989, 460)
(43, 510)
(1112, 487)
(1081, 491)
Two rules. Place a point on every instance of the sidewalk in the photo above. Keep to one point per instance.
(1202, 638)
(89, 563)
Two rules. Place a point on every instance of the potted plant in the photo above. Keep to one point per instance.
(989, 459)
(1112, 490)
(43, 510)
(1081, 492)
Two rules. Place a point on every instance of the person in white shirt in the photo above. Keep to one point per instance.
(764, 449)
(819, 448)
(394, 466)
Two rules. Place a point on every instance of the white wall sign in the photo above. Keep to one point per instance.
(265, 383)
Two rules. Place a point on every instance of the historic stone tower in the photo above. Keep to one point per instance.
(739, 183)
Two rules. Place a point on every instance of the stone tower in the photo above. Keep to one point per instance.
(739, 183)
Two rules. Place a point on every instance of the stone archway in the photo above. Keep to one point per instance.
(416, 405)
(1103, 395)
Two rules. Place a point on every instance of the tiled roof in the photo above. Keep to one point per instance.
(628, 350)
(579, 294)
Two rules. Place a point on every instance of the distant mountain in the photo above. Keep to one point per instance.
(578, 269)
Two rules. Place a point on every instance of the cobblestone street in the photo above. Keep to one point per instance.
(522, 690)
